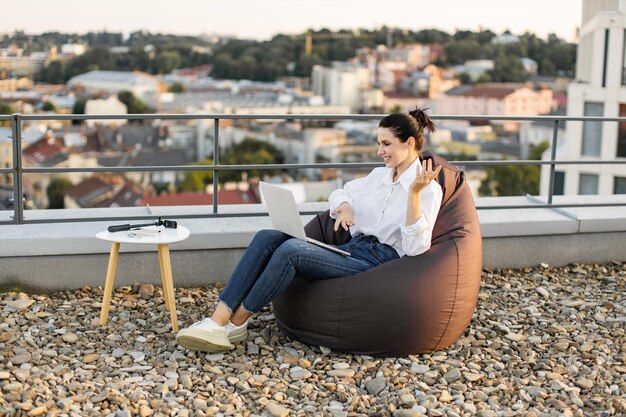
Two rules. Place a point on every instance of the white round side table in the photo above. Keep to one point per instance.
(162, 238)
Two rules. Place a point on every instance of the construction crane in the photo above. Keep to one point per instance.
(309, 36)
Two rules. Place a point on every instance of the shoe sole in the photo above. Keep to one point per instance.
(203, 341)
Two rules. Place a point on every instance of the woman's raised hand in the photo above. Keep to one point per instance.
(344, 216)
(424, 176)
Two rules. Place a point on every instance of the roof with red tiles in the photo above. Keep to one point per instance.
(46, 152)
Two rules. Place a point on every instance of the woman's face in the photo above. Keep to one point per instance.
(394, 152)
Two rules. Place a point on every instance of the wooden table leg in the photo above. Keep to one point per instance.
(108, 286)
(164, 252)
(163, 279)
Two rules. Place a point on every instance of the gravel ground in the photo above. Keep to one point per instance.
(543, 342)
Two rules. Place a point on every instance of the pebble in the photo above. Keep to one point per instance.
(69, 338)
(299, 373)
(407, 413)
(118, 353)
(277, 410)
(342, 373)
(375, 385)
(542, 342)
(92, 357)
(452, 376)
(584, 383)
(21, 358)
(19, 304)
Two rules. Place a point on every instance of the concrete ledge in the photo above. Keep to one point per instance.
(55, 256)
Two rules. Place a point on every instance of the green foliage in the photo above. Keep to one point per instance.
(79, 108)
(395, 109)
(514, 180)
(248, 152)
(167, 61)
(133, 104)
(507, 68)
(464, 78)
(176, 88)
(5, 108)
(268, 60)
(56, 192)
(52, 73)
(48, 106)
(197, 181)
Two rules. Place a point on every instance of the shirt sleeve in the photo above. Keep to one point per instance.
(416, 237)
(347, 193)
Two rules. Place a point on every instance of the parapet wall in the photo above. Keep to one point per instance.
(58, 256)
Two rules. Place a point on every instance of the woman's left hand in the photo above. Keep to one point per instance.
(424, 176)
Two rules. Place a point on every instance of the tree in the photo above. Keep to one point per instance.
(133, 104)
(52, 73)
(508, 68)
(251, 152)
(464, 78)
(196, 181)
(514, 180)
(56, 192)
(5, 108)
(167, 61)
(248, 152)
(176, 88)
(48, 106)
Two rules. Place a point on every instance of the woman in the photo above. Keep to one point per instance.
(390, 213)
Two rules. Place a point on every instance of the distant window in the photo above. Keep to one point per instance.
(621, 134)
(619, 185)
(606, 56)
(559, 183)
(624, 60)
(592, 131)
(588, 184)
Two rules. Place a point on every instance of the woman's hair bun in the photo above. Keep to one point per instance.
(422, 119)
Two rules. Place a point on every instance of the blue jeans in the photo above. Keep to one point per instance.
(273, 258)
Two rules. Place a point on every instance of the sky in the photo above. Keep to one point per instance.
(260, 19)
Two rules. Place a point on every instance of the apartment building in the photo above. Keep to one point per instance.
(496, 99)
(598, 90)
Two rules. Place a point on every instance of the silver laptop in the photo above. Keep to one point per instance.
(283, 211)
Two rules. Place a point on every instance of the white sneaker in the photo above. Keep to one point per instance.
(206, 335)
(236, 333)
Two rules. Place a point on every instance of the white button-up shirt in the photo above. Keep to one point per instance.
(380, 206)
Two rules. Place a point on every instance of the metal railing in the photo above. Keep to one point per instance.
(18, 170)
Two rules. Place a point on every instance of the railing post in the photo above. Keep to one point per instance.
(18, 197)
(555, 133)
(216, 162)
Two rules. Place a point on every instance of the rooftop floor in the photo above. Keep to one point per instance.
(543, 342)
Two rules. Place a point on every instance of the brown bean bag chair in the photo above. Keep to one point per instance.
(410, 305)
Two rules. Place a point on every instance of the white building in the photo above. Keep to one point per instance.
(599, 90)
(73, 49)
(341, 85)
(474, 68)
(109, 105)
(496, 99)
(141, 84)
(538, 132)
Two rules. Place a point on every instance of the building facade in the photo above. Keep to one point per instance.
(496, 99)
(599, 90)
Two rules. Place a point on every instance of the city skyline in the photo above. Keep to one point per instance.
(241, 18)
